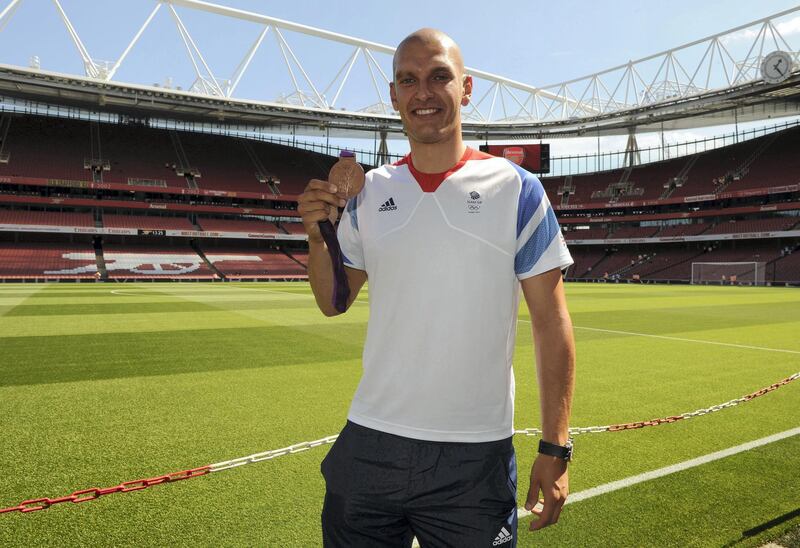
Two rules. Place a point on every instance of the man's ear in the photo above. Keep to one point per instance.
(467, 90)
(393, 96)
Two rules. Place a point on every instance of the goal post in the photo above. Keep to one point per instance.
(728, 273)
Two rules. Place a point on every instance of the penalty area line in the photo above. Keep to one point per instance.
(667, 470)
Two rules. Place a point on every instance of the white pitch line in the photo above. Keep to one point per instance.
(301, 295)
(667, 470)
(681, 339)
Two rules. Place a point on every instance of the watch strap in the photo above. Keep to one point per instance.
(560, 451)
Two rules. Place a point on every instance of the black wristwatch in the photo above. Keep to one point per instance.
(553, 450)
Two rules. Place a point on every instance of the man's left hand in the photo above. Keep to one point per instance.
(550, 476)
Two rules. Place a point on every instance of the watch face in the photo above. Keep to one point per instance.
(776, 67)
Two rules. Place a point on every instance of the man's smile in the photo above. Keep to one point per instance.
(426, 111)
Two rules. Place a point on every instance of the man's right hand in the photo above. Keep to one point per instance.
(318, 202)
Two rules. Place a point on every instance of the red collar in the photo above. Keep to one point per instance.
(429, 182)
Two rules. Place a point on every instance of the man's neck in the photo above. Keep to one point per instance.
(437, 157)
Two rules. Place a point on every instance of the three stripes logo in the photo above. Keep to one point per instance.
(502, 537)
(388, 205)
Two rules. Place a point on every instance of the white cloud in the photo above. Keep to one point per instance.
(784, 28)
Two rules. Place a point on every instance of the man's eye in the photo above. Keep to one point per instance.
(407, 81)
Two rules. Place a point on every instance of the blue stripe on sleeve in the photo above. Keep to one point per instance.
(530, 196)
(537, 244)
(352, 211)
(345, 260)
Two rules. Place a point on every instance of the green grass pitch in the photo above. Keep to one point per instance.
(106, 383)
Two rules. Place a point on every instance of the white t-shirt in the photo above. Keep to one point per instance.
(444, 254)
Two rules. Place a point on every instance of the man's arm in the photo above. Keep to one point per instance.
(317, 203)
(555, 368)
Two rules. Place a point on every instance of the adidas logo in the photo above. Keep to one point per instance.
(502, 537)
(388, 205)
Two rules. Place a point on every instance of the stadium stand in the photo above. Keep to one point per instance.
(787, 267)
(237, 225)
(140, 155)
(684, 230)
(759, 225)
(148, 222)
(777, 165)
(149, 262)
(249, 263)
(47, 261)
(293, 228)
(634, 232)
(160, 180)
(302, 256)
(596, 233)
(47, 148)
(45, 218)
(586, 257)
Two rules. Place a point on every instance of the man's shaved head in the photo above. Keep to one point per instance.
(429, 87)
(431, 37)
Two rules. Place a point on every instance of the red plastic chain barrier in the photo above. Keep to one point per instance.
(84, 495)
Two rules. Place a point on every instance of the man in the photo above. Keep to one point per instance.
(447, 236)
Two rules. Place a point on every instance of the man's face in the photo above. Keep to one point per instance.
(429, 89)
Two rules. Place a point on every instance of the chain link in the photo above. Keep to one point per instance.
(666, 420)
(275, 453)
(85, 495)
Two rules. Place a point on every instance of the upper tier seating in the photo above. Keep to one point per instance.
(57, 148)
(49, 148)
(777, 164)
(140, 153)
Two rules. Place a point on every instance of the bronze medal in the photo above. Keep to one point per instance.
(347, 175)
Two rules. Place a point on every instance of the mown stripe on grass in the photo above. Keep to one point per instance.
(40, 360)
(11, 300)
(173, 305)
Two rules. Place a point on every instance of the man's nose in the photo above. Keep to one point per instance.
(423, 91)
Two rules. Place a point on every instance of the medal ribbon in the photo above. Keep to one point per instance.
(341, 289)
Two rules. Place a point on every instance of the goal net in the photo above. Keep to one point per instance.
(734, 273)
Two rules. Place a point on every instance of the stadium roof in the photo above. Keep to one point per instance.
(712, 81)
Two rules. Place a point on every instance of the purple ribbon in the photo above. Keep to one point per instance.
(341, 289)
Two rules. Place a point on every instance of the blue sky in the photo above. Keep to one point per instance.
(530, 41)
